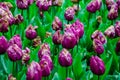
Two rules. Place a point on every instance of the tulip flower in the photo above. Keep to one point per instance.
(65, 58)
(14, 52)
(31, 32)
(97, 65)
(34, 72)
(18, 19)
(109, 3)
(94, 5)
(36, 41)
(98, 46)
(69, 79)
(22, 4)
(117, 28)
(118, 46)
(3, 44)
(100, 36)
(57, 24)
(110, 32)
(118, 3)
(57, 37)
(16, 40)
(11, 77)
(4, 25)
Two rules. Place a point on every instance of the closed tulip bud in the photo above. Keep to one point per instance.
(109, 3)
(16, 40)
(110, 32)
(69, 13)
(113, 13)
(22, 4)
(3, 44)
(117, 28)
(97, 65)
(14, 53)
(69, 79)
(118, 3)
(57, 24)
(118, 46)
(37, 41)
(65, 58)
(98, 46)
(18, 19)
(31, 32)
(10, 77)
(44, 4)
(69, 40)
(57, 37)
(100, 36)
(94, 5)
(34, 72)
(4, 26)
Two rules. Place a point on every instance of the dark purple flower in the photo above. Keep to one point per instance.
(57, 37)
(22, 4)
(11, 77)
(34, 72)
(4, 25)
(98, 46)
(31, 32)
(69, 79)
(109, 3)
(14, 52)
(3, 44)
(30, 2)
(18, 19)
(44, 4)
(110, 32)
(94, 5)
(65, 58)
(100, 36)
(118, 46)
(117, 28)
(69, 40)
(97, 65)
(69, 13)
(57, 24)
(16, 40)
(118, 3)
(113, 13)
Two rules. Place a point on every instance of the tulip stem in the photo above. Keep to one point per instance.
(66, 72)
(11, 31)
(28, 14)
(13, 68)
(98, 77)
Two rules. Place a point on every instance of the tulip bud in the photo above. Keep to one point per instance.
(117, 28)
(22, 4)
(46, 65)
(18, 19)
(94, 5)
(3, 44)
(44, 4)
(97, 65)
(57, 24)
(57, 37)
(69, 79)
(110, 32)
(34, 72)
(4, 25)
(16, 40)
(69, 13)
(113, 13)
(65, 58)
(118, 3)
(36, 41)
(118, 46)
(10, 77)
(109, 3)
(100, 36)
(30, 32)
(98, 46)
(14, 53)
(69, 40)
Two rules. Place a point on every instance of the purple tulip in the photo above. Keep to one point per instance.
(14, 52)
(11, 77)
(22, 4)
(69, 40)
(94, 5)
(57, 24)
(98, 46)
(69, 79)
(44, 4)
(34, 72)
(18, 19)
(109, 3)
(16, 40)
(97, 65)
(30, 2)
(3, 44)
(118, 46)
(65, 58)
(69, 13)
(44, 50)
(4, 25)
(57, 37)
(31, 32)
(118, 3)
(100, 36)
(117, 28)
(8, 4)
(110, 32)
(113, 13)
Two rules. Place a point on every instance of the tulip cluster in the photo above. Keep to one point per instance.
(94, 5)
(98, 41)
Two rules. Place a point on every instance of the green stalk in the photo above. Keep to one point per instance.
(98, 77)
(11, 31)
(28, 11)
(66, 72)
(13, 68)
